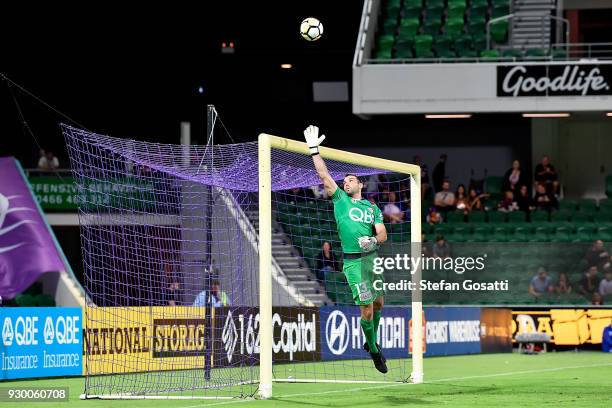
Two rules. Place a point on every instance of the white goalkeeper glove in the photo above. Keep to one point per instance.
(311, 134)
(367, 244)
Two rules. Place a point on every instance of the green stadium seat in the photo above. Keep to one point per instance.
(480, 41)
(25, 300)
(490, 54)
(442, 230)
(455, 217)
(404, 51)
(454, 26)
(581, 217)
(434, 3)
(559, 54)
(517, 216)
(499, 31)
(602, 216)
(568, 204)
(422, 46)
(476, 27)
(478, 12)
(539, 215)
(497, 216)
(457, 3)
(531, 52)
(455, 11)
(389, 26)
(413, 3)
(477, 216)
(605, 204)
(480, 3)
(560, 215)
(587, 204)
(512, 53)
(409, 27)
(432, 27)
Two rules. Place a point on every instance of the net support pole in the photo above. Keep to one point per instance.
(265, 267)
(417, 298)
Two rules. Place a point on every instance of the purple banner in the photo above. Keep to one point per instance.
(27, 248)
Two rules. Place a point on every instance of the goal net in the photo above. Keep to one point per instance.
(214, 271)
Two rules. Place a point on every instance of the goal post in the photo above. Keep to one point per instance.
(266, 144)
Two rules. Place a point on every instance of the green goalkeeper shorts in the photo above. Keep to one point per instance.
(361, 277)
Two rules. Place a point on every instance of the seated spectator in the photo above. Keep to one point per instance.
(462, 202)
(507, 204)
(433, 216)
(523, 200)
(439, 173)
(392, 211)
(605, 286)
(172, 286)
(546, 174)
(563, 285)
(597, 255)
(441, 249)
(444, 200)
(541, 284)
(326, 262)
(544, 200)
(597, 299)
(47, 161)
(514, 178)
(589, 283)
(476, 200)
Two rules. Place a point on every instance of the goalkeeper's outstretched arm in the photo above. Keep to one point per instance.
(311, 134)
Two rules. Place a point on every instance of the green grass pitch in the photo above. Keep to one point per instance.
(495, 380)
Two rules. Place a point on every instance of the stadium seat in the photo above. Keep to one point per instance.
(455, 11)
(539, 215)
(500, 10)
(409, 27)
(499, 30)
(497, 216)
(561, 215)
(422, 46)
(479, 41)
(454, 26)
(568, 204)
(559, 54)
(434, 3)
(605, 204)
(587, 204)
(512, 53)
(476, 26)
(517, 216)
(432, 26)
(477, 216)
(491, 54)
(455, 217)
(531, 52)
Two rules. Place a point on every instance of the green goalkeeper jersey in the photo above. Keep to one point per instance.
(354, 218)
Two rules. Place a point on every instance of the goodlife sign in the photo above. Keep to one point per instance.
(554, 80)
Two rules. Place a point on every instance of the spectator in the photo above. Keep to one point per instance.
(392, 211)
(605, 286)
(47, 161)
(597, 255)
(172, 286)
(444, 200)
(596, 299)
(217, 298)
(461, 200)
(424, 177)
(546, 174)
(514, 178)
(476, 200)
(326, 262)
(439, 173)
(434, 217)
(589, 283)
(544, 200)
(523, 200)
(541, 284)
(563, 286)
(441, 249)
(508, 204)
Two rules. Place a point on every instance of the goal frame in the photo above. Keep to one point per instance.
(266, 143)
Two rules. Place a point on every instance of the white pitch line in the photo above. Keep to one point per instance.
(510, 373)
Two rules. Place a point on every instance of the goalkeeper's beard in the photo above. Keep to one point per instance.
(353, 194)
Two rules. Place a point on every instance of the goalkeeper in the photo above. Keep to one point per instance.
(361, 229)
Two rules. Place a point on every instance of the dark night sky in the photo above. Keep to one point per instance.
(134, 71)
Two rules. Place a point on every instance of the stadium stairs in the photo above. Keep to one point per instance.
(292, 264)
(531, 27)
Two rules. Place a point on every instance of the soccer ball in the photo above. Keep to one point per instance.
(311, 29)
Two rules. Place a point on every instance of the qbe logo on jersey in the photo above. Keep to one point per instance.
(41, 342)
(342, 336)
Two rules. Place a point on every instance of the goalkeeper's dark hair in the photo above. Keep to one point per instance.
(359, 179)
